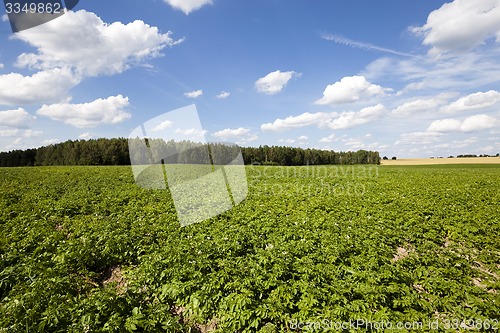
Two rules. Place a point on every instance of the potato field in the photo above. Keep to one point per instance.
(312, 248)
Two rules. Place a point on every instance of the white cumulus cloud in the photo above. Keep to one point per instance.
(98, 112)
(231, 133)
(470, 124)
(274, 82)
(351, 119)
(46, 86)
(302, 120)
(445, 125)
(223, 94)
(188, 6)
(90, 46)
(163, 126)
(350, 89)
(479, 100)
(461, 25)
(478, 122)
(239, 135)
(194, 94)
(18, 118)
(331, 120)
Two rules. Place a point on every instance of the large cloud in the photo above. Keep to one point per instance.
(90, 46)
(98, 112)
(331, 120)
(46, 86)
(470, 124)
(274, 82)
(461, 25)
(188, 6)
(18, 118)
(479, 100)
(349, 89)
(351, 119)
(302, 120)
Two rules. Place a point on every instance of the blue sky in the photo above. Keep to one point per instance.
(406, 78)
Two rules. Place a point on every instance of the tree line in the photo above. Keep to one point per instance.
(116, 152)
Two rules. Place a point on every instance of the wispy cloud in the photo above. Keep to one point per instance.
(361, 45)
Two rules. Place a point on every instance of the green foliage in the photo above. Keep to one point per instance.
(116, 152)
(84, 249)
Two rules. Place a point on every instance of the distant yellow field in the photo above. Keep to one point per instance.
(425, 161)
